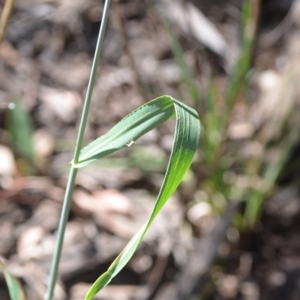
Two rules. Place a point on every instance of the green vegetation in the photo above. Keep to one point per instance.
(221, 170)
(14, 286)
(124, 134)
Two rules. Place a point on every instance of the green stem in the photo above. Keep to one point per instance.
(73, 171)
(61, 232)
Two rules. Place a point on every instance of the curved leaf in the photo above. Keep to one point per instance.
(130, 128)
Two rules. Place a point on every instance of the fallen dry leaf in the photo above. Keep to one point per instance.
(43, 143)
(110, 208)
(7, 166)
(62, 103)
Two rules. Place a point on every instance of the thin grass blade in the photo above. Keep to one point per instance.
(14, 286)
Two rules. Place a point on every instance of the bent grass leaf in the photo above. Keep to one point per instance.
(128, 130)
(14, 286)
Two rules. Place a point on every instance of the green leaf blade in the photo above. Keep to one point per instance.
(186, 138)
(20, 129)
(128, 129)
(14, 287)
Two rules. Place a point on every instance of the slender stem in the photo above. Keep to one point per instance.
(91, 81)
(61, 231)
(73, 171)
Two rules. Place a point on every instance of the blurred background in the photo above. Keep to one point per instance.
(231, 231)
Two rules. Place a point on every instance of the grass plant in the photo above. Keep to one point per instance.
(219, 156)
(124, 134)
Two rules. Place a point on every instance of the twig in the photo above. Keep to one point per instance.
(5, 15)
